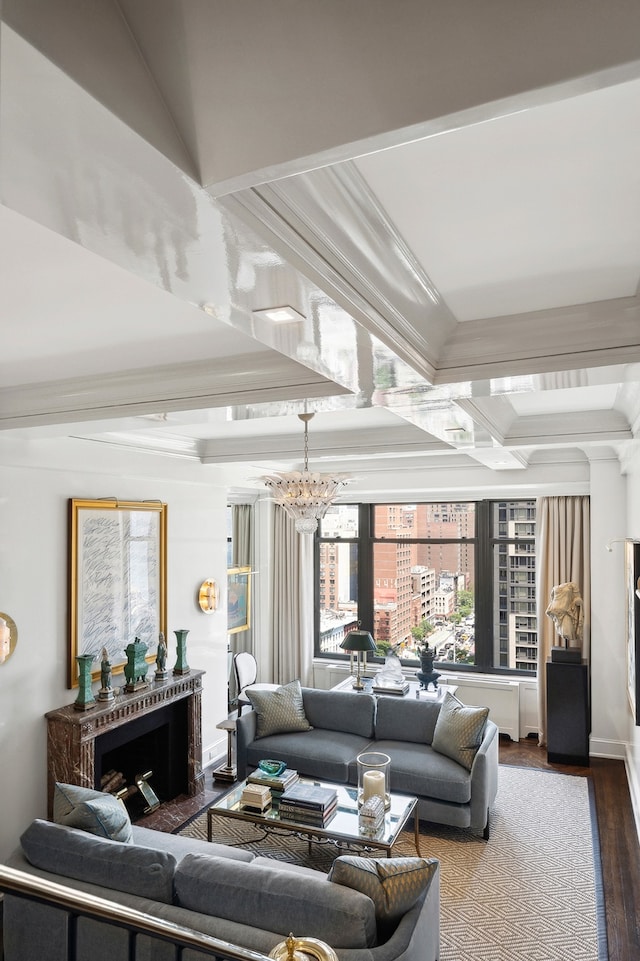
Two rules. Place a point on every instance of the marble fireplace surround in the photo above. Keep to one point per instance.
(75, 748)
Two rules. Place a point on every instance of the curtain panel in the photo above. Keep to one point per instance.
(563, 553)
(292, 626)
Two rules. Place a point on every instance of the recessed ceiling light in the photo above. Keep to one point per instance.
(280, 315)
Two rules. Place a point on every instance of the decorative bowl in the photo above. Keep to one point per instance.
(272, 767)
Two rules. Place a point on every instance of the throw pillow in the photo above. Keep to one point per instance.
(459, 730)
(280, 711)
(93, 811)
(393, 884)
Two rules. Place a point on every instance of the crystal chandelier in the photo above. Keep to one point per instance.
(305, 495)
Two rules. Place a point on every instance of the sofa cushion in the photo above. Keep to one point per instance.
(403, 719)
(459, 730)
(279, 711)
(93, 811)
(180, 845)
(418, 769)
(393, 884)
(269, 898)
(347, 711)
(326, 755)
(73, 853)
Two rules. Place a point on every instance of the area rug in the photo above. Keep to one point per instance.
(533, 892)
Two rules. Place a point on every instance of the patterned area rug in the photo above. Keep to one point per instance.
(533, 892)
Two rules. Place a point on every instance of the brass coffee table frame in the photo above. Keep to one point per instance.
(342, 830)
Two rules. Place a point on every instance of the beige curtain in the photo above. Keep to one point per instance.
(292, 626)
(241, 556)
(562, 554)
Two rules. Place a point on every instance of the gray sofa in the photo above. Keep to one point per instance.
(221, 891)
(345, 723)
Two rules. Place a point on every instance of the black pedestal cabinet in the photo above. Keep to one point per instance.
(568, 713)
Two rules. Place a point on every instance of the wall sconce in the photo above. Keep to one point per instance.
(8, 636)
(208, 596)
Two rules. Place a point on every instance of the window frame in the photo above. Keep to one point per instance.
(486, 538)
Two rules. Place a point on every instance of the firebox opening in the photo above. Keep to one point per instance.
(154, 742)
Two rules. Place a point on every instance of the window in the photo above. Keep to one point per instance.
(460, 574)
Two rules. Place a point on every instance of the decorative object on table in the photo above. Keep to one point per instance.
(566, 610)
(359, 642)
(272, 767)
(390, 679)
(208, 596)
(8, 636)
(181, 666)
(305, 495)
(426, 675)
(371, 816)
(374, 777)
(256, 797)
(161, 659)
(277, 782)
(135, 670)
(85, 698)
(106, 691)
(108, 599)
(227, 772)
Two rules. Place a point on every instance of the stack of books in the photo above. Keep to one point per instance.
(309, 804)
(390, 687)
(255, 797)
(278, 783)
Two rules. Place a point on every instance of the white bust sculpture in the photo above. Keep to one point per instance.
(566, 611)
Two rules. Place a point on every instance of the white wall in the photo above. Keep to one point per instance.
(33, 590)
(633, 732)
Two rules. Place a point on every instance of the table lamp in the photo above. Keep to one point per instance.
(359, 642)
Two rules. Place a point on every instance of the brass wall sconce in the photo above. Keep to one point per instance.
(8, 636)
(208, 596)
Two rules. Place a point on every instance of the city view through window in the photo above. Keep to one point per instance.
(410, 574)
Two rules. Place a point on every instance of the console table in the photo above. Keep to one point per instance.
(73, 737)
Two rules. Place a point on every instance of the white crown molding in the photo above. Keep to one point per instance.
(248, 378)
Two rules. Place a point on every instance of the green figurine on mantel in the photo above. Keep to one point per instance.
(85, 698)
(181, 666)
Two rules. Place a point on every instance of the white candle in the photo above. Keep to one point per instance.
(372, 784)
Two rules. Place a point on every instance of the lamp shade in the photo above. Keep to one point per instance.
(358, 641)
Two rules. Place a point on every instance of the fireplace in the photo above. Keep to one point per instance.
(157, 729)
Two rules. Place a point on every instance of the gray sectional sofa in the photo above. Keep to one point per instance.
(221, 891)
(343, 724)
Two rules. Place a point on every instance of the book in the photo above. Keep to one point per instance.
(314, 796)
(389, 687)
(277, 782)
(308, 817)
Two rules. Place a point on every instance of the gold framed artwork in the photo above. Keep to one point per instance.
(117, 579)
(238, 599)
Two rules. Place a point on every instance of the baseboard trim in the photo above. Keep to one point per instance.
(634, 789)
(602, 747)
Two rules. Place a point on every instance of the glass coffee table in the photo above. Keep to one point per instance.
(343, 829)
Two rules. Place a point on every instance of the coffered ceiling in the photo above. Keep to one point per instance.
(452, 210)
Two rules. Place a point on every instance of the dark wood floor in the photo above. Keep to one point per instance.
(620, 852)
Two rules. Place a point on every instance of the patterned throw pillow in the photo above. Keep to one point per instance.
(393, 884)
(93, 811)
(279, 711)
(459, 730)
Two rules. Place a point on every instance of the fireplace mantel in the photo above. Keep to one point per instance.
(72, 734)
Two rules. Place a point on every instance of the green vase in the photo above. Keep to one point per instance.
(181, 662)
(85, 698)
